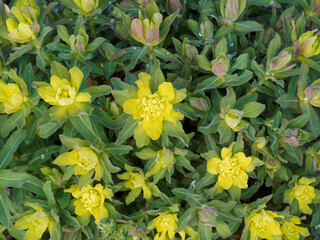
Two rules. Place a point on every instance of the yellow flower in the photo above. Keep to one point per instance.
(153, 108)
(11, 98)
(87, 6)
(22, 32)
(165, 160)
(291, 231)
(262, 224)
(26, 11)
(36, 223)
(90, 201)
(232, 170)
(85, 160)
(136, 182)
(64, 95)
(309, 44)
(166, 224)
(146, 31)
(303, 193)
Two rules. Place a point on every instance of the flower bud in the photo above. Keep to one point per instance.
(233, 118)
(272, 164)
(315, 5)
(78, 43)
(87, 6)
(146, 30)
(220, 65)
(207, 215)
(206, 29)
(189, 51)
(22, 32)
(199, 103)
(232, 9)
(313, 93)
(309, 44)
(260, 142)
(291, 137)
(175, 5)
(280, 62)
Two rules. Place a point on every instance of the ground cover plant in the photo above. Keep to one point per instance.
(169, 119)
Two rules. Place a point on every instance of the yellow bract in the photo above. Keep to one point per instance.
(27, 28)
(91, 201)
(136, 182)
(165, 159)
(11, 98)
(166, 224)
(309, 44)
(64, 95)
(291, 231)
(262, 224)
(87, 6)
(153, 108)
(303, 193)
(231, 169)
(85, 160)
(36, 223)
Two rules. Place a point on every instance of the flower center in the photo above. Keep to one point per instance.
(166, 224)
(152, 106)
(229, 166)
(91, 199)
(137, 180)
(262, 224)
(66, 95)
(300, 192)
(84, 163)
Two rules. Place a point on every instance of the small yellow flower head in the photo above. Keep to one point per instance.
(303, 193)
(22, 32)
(87, 6)
(11, 98)
(146, 31)
(232, 170)
(136, 182)
(233, 118)
(153, 108)
(165, 159)
(221, 65)
(26, 11)
(85, 160)
(64, 94)
(36, 223)
(262, 224)
(309, 44)
(166, 224)
(91, 201)
(291, 231)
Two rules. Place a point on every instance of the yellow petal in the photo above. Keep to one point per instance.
(131, 107)
(304, 208)
(213, 164)
(83, 97)
(48, 94)
(154, 170)
(11, 25)
(141, 136)
(98, 172)
(143, 91)
(244, 161)
(303, 231)
(76, 77)
(22, 223)
(99, 213)
(224, 182)
(153, 128)
(306, 181)
(174, 116)
(241, 180)
(143, 81)
(226, 152)
(179, 96)
(166, 90)
(146, 191)
(79, 170)
(79, 108)
(59, 113)
(79, 210)
(65, 159)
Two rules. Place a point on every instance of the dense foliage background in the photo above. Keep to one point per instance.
(169, 119)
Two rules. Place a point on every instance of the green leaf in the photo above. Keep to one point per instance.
(208, 179)
(96, 43)
(298, 122)
(194, 26)
(247, 26)
(165, 26)
(229, 99)
(288, 101)
(60, 71)
(204, 63)
(139, 53)
(225, 132)
(175, 130)
(239, 145)
(274, 46)
(49, 194)
(222, 228)
(49, 128)
(128, 129)
(117, 149)
(63, 33)
(316, 218)
(240, 63)
(222, 32)
(205, 231)
(188, 215)
(83, 125)
(10, 147)
(17, 119)
(221, 47)
(40, 59)
(253, 109)
(258, 69)
(210, 83)
(4, 209)
(18, 53)
(156, 77)
(98, 91)
(235, 193)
